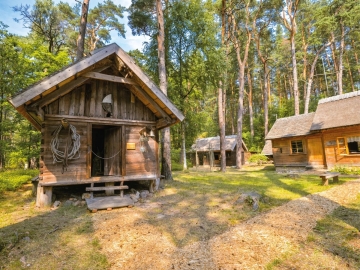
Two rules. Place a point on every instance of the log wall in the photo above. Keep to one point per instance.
(282, 152)
(85, 101)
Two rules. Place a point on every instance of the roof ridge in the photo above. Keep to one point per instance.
(293, 116)
(339, 97)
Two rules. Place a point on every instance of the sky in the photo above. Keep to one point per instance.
(7, 16)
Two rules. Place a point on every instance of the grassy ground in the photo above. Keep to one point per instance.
(64, 238)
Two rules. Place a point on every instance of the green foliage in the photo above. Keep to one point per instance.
(13, 179)
(347, 170)
(258, 159)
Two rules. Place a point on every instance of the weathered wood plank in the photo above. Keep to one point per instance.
(107, 188)
(81, 111)
(58, 78)
(110, 78)
(99, 97)
(92, 99)
(104, 121)
(149, 83)
(108, 202)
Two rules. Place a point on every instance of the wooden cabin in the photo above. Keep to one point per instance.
(99, 119)
(326, 138)
(206, 151)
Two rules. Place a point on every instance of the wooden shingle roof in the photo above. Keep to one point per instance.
(213, 143)
(337, 111)
(267, 149)
(292, 126)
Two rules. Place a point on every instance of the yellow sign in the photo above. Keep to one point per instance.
(130, 146)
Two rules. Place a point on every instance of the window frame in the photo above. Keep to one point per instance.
(297, 147)
(342, 146)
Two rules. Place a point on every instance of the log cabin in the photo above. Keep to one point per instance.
(206, 151)
(326, 138)
(99, 120)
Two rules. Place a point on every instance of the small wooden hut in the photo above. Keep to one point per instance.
(323, 139)
(206, 151)
(99, 119)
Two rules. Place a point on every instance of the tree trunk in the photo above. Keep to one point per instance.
(81, 38)
(183, 146)
(311, 76)
(221, 112)
(266, 100)
(166, 147)
(295, 78)
(250, 100)
(341, 54)
(221, 97)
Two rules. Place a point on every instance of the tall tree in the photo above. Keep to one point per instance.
(44, 20)
(289, 20)
(222, 89)
(81, 38)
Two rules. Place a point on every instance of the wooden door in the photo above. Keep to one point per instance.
(315, 151)
(112, 151)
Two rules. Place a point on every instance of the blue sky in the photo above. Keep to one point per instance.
(7, 16)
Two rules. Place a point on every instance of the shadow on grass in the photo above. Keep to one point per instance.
(49, 239)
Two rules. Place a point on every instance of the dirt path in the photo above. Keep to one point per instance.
(132, 242)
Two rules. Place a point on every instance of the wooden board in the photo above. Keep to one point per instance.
(108, 202)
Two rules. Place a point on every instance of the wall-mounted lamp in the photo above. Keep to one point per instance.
(107, 105)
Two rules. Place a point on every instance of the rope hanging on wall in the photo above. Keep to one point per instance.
(71, 148)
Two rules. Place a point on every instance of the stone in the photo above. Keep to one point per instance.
(56, 204)
(76, 203)
(68, 203)
(144, 194)
(85, 196)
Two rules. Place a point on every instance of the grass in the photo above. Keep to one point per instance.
(333, 244)
(14, 179)
(198, 205)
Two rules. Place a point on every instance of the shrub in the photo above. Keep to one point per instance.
(346, 170)
(258, 159)
(13, 179)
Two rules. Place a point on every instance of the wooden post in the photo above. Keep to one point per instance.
(109, 192)
(43, 196)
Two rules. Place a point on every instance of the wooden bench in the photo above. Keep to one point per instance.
(109, 188)
(326, 176)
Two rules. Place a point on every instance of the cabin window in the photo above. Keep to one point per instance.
(348, 145)
(297, 147)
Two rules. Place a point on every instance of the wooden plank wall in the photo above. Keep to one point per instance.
(86, 101)
(138, 163)
(52, 172)
(332, 155)
(282, 152)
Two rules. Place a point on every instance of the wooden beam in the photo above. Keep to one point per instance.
(164, 122)
(59, 77)
(149, 83)
(141, 94)
(110, 78)
(62, 91)
(98, 120)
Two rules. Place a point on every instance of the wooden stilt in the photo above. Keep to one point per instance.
(43, 196)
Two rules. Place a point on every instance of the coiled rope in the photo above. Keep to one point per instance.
(72, 146)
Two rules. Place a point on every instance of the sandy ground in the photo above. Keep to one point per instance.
(149, 236)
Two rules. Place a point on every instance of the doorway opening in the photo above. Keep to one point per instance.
(106, 148)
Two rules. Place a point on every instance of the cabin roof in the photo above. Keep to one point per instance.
(213, 143)
(292, 126)
(267, 149)
(337, 111)
(91, 67)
